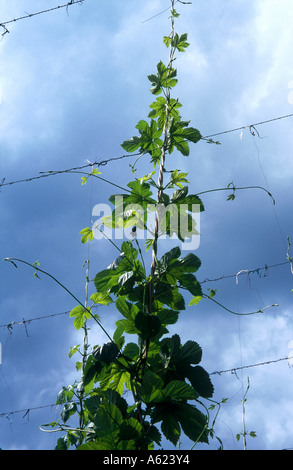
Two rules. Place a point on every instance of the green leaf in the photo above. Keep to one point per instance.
(102, 299)
(200, 380)
(190, 353)
(80, 315)
(92, 404)
(155, 83)
(169, 295)
(212, 292)
(131, 351)
(91, 371)
(73, 350)
(115, 398)
(179, 390)
(149, 140)
(116, 377)
(179, 194)
(62, 443)
(148, 325)
(180, 134)
(96, 445)
(195, 300)
(175, 416)
(127, 326)
(69, 409)
(130, 429)
(178, 178)
(169, 258)
(170, 426)
(87, 234)
(167, 40)
(190, 282)
(108, 420)
(159, 107)
(106, 353)
(189, 263)
(167, 316)
(131, 145)
(165, 78)
(65, 395)
(151, 388)
(180, 43)
(193, 422)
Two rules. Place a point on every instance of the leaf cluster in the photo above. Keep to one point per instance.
(134, 392)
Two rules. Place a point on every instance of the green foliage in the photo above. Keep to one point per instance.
(132, 394)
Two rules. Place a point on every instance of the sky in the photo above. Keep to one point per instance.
(73, 87)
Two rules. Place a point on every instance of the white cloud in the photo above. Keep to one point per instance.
(272, 42)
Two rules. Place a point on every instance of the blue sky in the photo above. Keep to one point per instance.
(73, 88)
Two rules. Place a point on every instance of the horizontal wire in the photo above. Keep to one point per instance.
(30, 15)
(251, 271)
(257, 270)
(26, 410)
(23, 322)
(249, 366)
(44, 317)
(68, 170)
(249, 126)
(51, 173)
(233, 370)
(106, 161)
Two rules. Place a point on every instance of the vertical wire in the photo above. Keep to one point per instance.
(268, 188)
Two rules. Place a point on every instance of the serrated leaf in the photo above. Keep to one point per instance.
(180, 42)
(193, 422)
(116, 378)
(190, 283)
(69, 409)
(151, 389)
(131, 428)
(189, 263)
(131, 145)
(102, 299)
(148, 325)
(79, 315)
(106, 353)
(73, 350)
(108, 419)
(195, 300)
(96, 445)
(171, 428)
(131, 351)
(179, 390)
(167, 41)
(190, 353)
(92, 404)
(87, 234)
(179, 194)
(200, 380)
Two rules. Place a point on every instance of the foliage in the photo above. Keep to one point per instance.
(160, 376)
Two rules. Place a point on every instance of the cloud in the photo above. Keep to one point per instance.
(74, 87)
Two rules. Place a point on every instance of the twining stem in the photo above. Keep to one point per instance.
(85, 349)
(13, 261)
(159, 197)
(162, 165)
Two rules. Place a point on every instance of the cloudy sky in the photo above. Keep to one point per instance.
(73, 87)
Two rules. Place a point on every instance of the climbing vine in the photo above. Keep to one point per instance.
(132, 394)
(160, 376)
